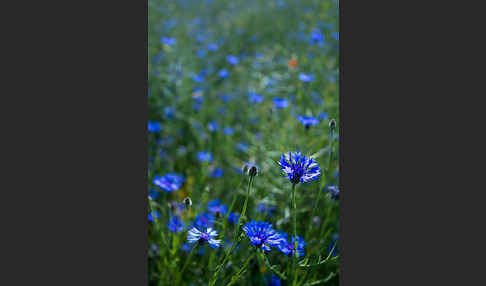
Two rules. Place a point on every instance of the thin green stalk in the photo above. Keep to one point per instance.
(294, 257)
(186, 263)
(235, 236)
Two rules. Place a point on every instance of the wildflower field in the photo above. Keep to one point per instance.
(243, 142)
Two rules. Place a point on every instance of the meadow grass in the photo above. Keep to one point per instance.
(232, 84)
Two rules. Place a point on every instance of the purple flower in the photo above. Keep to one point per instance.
(154, 126)
(152, 215)
(204, 220)
(255, 98)
(287, 247)
(175, 225)
(223, 73)
(204, 156)
(217, 173)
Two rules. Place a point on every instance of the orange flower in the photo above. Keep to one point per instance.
(292, 63)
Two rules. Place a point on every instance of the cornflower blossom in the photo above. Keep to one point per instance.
(204, 156)
(154, 126)
(204, 220)
(175, 225)
(306, 77)
(216, 207)
(169, 182)
(223, 73)
(280, 102)
(308, 121)
(217, 173)
(152, 215)
(288, 248)
(255, 98)
(299, 168)
(231, 59)
(168, 41)
(262, 235)
(228, 131)
(208, 235)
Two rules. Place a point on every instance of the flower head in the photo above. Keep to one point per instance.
(152, 215)
(273, 280)
(261, 234)
(175, 224)
(216, 207)
(306, 77)
(231, 59)
(154, 126)
(217, 173)
(308, 121)
(204, 156)
(288, 248)
(228, 131)
(299, 168)
(168, 41)
(208, 235)
(255, 98)
(204, 220)
(213, 126)
(223, 73)
(333, 192)
(169, 182)
(280, 102)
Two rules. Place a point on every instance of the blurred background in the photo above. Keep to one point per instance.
(232, 82)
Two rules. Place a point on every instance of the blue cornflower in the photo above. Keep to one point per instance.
(308, 121)
(153, 194)
(217, 173)
(288, 248)
(204, 156)
(154, 126)
(323, 116)
(152, 215)
(261, 234)
(204, 220)
(212, 47)
(169, 182)
(255, 98)
(333, 192)
(280, 102)
(299, 168)
(242, 146)
(208, 235)
(233, 217)
(228, 131)
(223, 73)
(169, 111)
(168, 41)
(201, 53)
(274, 281)
(213, 126)
(175, 225)
(317, 37)
(198, 77)
(216, 207)
(232, 60)
(306, 77)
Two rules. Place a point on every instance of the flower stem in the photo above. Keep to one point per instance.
(235, 236)
(186, 263)
(294, 257)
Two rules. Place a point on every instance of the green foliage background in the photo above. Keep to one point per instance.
(279, 31)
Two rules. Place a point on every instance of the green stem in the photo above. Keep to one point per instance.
(294, 257)
(235, 236)
(186, 263)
